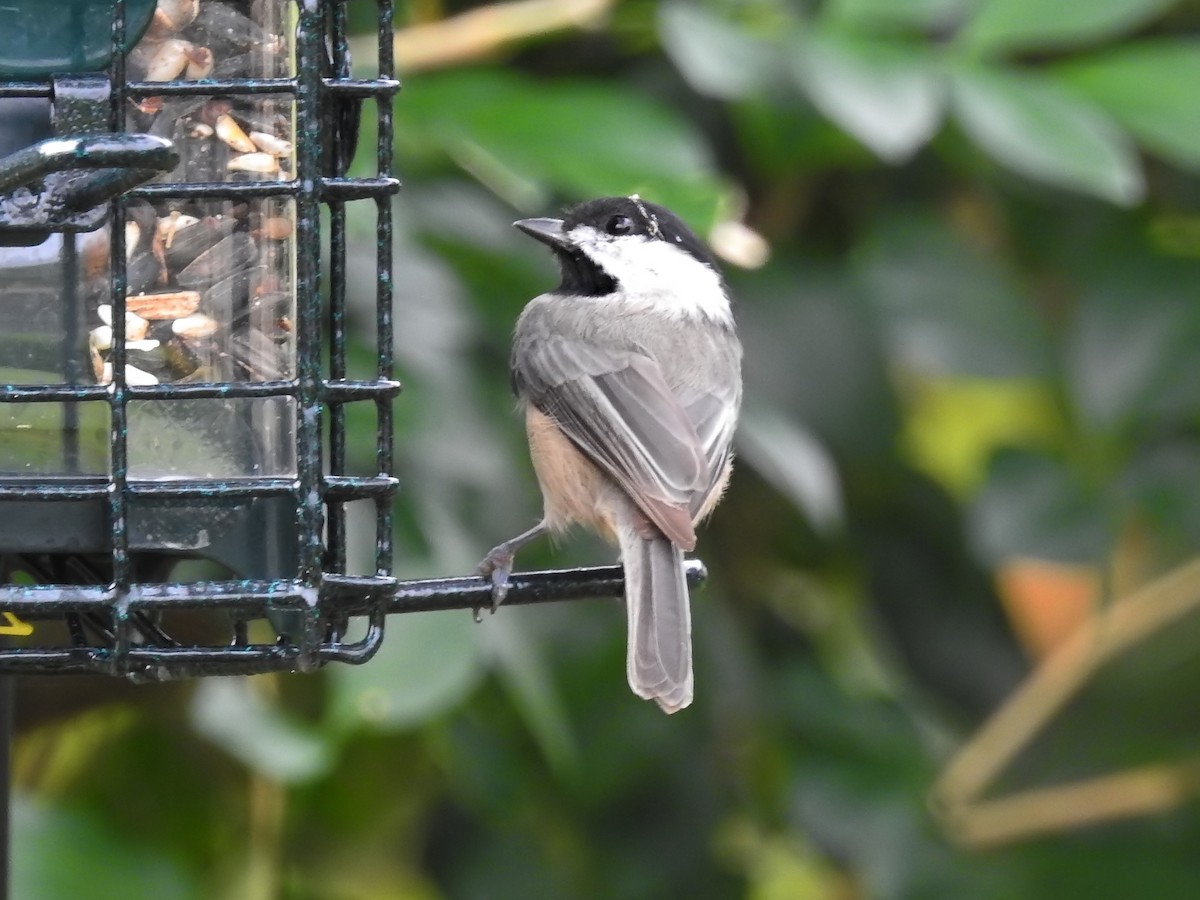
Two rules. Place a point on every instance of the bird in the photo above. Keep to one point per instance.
(629, 373)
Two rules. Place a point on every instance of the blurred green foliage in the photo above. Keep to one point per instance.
(976, 340)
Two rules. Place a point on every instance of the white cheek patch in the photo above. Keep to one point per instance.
(656, 274)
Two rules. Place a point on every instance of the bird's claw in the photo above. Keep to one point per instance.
(497, 567)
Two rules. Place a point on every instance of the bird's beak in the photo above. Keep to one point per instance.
(548, 231)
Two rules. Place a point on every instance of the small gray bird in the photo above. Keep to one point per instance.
(630, 375)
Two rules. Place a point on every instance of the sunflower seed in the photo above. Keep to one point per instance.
(260, 163)
(199, 65)
(277, 228)
(227, 257)
(135, 326)
(190, 242)
(168, 226)
(172, 16)
(100, 338)
(169, 60)
(231, 133)
(268, 143)
(134, 375)
(195, 326)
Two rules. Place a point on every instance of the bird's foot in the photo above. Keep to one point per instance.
(496, 567)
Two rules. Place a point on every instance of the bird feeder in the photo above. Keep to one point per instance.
(173, 375)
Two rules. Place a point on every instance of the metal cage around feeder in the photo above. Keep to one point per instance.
(173, 367)
(167, 394)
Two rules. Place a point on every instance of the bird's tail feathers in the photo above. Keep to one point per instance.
(659, 661)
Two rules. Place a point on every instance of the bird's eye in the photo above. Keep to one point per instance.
(619, 225)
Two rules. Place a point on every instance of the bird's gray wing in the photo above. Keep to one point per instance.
(615, 405)
(714, 416)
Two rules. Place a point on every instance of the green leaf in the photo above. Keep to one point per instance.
(948, 306)
(232, 714)
(1033, 127)
(527, 140)
(1014, 25)
(955, 425)
(792, 460)
(918, 13)
(883, 93)
(1131, 354)
(1150, 88)
(429, 663)
(1035, 506)
(1151, 480)
(715, 56)
(523, 670)
(63, 855)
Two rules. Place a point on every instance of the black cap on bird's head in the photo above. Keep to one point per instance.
(632, 215)
(588, 241)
